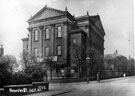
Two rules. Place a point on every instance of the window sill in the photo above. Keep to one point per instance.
(59, 55)
(59, 38)
(36, 40)
(46, 39)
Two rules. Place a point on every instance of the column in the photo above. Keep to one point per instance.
(30, 40)
(53, 40)
(41, 41)
(65, 30)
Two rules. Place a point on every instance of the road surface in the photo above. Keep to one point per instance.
(114, 87)
(110, 87)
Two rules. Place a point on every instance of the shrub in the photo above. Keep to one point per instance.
(36, 73)
(20, 78)
(5, 75)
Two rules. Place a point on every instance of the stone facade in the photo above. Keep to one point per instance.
(51, 33)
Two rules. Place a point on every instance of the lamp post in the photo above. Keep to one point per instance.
(88, 62)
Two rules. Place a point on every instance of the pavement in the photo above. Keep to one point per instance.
(61, 89)
(51, 93)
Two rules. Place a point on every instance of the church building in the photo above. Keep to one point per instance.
(58, 34)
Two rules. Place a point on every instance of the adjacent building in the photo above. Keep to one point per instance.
(53, 33)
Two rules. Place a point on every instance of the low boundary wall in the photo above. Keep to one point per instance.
(27, 88)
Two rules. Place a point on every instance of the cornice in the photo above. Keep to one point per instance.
(57, 21)
(25, 39)
(77, 31)
(47, 19)
(52, 21)
(71, 18)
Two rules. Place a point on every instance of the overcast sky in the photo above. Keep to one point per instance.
(116, 16)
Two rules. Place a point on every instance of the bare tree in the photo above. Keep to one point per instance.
(34, 67)
(77, 57)
(25, 58)
(50, 64)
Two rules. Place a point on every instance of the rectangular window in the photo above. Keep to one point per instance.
(59, 50)
(46, 51)
(59, 32)
(47, 35)
(35, 52)
(35, 35)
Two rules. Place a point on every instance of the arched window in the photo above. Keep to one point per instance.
(59, 32)
(35, 52)
(47, 51)
(47, 34)
(59, 50)
(35, 35)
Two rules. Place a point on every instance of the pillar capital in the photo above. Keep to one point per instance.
(66, 23)
(40, 27)
(52, 25)
(29, 29)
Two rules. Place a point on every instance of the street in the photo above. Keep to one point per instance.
(110, 87)
(118, 87)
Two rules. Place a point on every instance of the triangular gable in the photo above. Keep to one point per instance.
(97, 22)
(46, 12)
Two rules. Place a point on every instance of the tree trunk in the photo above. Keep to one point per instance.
(46, 76)
(51, 73)
(78, 72)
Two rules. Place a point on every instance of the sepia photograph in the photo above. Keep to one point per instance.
(67, 48)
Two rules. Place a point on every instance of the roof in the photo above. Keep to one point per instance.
(94, 20)
(86, 17)
(82, 17)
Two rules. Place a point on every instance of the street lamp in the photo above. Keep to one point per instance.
(88, 62)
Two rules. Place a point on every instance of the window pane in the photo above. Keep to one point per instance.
(47, 34)
(36, 35)
(74, 41)
(35, 52)
(47, 51)
(58, 50)
(59, 31)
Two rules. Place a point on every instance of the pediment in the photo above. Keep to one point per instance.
(97, 22)
(46, 12)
